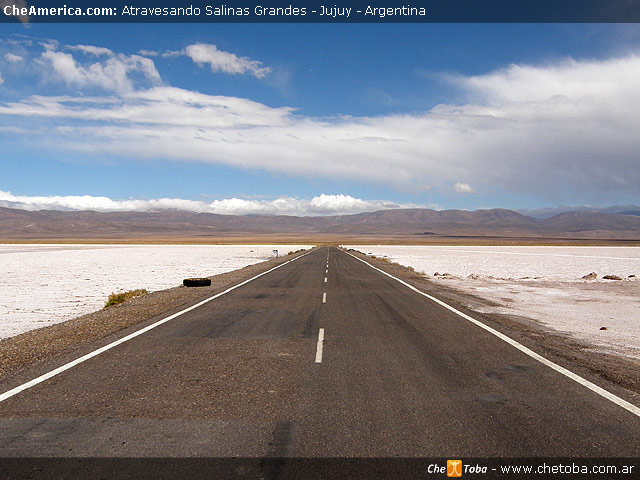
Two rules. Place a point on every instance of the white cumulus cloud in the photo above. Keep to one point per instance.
(92, 50)
(113, 74)
(319, 205)
(10, 57)
(463, 188)
(567, 79)
(225, 62)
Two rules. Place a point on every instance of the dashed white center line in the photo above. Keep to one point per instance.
(319, 347)
(324, 297)
(325, 279)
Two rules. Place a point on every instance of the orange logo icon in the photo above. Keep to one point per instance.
(454, 468)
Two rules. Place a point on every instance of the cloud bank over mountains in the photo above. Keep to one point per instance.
(319, 205)
(558, 132)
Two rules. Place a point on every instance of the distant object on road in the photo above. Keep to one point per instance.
(275, 253)
(197, 282)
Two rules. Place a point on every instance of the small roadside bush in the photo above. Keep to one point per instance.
(117, 298)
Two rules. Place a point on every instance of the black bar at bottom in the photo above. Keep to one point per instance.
(314, 468)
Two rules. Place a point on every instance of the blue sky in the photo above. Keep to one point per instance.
(318, 119)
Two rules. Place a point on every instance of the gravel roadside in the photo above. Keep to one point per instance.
(53, 344)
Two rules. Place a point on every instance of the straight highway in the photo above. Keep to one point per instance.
(324, 356)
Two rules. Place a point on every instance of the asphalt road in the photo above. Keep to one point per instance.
(239, 376)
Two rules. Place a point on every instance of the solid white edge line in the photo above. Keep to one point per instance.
(84, 358)
(319, 346)
(324, 297)
(567, 373)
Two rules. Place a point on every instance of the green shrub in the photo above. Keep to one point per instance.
(116, 298)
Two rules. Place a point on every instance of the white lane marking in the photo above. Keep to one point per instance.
(567, 373)
(325, 279)
(326, 271)
(324, 297)
(86, 357)
(319, 347)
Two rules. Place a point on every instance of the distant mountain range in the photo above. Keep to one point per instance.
(18, 224)
(543, 213)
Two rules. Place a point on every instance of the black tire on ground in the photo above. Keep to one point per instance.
(196, 282)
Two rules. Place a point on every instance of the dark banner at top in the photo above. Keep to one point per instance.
(312, 11)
